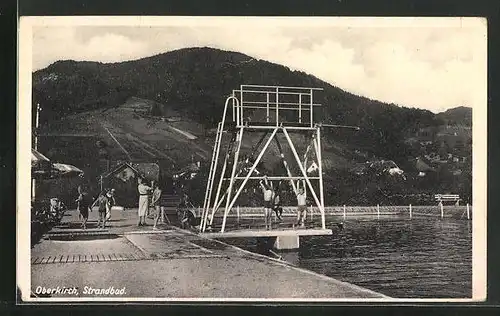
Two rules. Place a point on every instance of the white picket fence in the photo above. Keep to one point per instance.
(462, 212)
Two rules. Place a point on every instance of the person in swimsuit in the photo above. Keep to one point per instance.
(268, 202)
(278, 210)
(301, 207)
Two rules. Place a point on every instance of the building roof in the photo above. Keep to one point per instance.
(61, 169)
(118, 168)
(140, 169)
(422, 165)
(37, 156)
(192, 167)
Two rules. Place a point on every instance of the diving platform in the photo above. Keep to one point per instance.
(281, 239)
(235, 170)
(268, 233)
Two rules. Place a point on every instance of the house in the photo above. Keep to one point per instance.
(171, 119)
(189, 171)
(312, 168)
(378, 167)
(123, 178)
(422, 166)
(457, 172)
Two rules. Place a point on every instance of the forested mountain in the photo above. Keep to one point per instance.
(194, 83)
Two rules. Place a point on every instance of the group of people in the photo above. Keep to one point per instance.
(272, 203)
(105, 201)
(149, 197)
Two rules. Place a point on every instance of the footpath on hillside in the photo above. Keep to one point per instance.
(169, 263)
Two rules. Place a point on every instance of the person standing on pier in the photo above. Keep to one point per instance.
(277, 203)
(151, 205)
(268, 202)
(103, 203)
(143, 201)
(111, 202)
(301, 207)
(83, 206)
(155, 203)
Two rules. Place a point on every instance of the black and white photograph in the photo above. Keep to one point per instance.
(250, 159)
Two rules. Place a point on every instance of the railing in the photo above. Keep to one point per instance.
(346, 212)
(275, 100)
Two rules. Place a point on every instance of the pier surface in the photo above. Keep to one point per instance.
(168, 263)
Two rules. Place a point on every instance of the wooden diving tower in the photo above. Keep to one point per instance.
(276, 112)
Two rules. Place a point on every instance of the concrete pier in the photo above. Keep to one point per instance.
(287, 242)
(170, 264)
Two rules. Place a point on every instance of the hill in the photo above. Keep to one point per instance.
(457, 116)
(121, 105)
(196, 82)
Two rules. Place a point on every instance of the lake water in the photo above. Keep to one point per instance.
(401, 258)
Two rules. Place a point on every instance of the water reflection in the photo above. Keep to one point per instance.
(418, 258)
